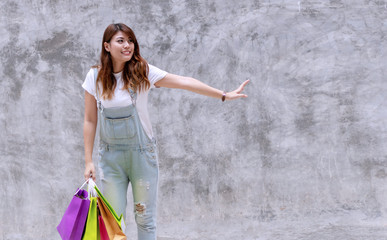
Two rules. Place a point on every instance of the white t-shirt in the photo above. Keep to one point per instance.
(122, 98)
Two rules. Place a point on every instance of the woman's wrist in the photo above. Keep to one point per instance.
(224, 96)
(88, 160)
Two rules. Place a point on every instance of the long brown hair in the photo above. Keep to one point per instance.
(135, 72)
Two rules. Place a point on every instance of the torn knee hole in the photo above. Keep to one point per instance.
(140, 208)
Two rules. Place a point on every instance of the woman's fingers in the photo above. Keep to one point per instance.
(89, 171)
(237, 93)
(242, 86)
(87, 174)
(92, 175)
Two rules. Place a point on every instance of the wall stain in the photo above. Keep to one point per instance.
(63, 50)
(13, 57)
(381, 173)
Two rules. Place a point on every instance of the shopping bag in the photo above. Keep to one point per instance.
(102, 229)
(120, 220)
(73, 221)
(112, 227)
(91, 229)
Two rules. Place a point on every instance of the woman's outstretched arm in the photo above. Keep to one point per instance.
(89, 128)
(194, 85)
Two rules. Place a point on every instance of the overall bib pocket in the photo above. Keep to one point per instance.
(120, 127)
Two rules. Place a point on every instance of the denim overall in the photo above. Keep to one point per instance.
(126, 155)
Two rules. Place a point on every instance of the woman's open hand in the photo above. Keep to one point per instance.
(237, 93)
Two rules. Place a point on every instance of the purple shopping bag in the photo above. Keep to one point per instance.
(73, 222)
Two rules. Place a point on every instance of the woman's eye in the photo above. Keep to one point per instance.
(120, 41)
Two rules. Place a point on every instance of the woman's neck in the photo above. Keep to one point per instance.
(118, 67)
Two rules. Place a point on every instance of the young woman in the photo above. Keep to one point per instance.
(116, 93)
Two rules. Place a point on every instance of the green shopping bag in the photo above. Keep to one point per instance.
(91, 229)
(120, 220)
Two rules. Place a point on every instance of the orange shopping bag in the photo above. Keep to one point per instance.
(113, 229)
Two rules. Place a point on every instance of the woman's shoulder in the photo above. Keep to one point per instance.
(154, 70)
(91, 75)
(92, 71)
(155, 74)
(89, 83)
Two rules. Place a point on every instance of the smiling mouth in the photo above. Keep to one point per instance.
(126, 52)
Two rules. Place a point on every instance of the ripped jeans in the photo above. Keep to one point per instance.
(139, 167)
(128, 155)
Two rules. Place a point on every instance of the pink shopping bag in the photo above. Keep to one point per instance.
(102, 229)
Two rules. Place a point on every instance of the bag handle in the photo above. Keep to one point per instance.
(91, 188)
(80, 187)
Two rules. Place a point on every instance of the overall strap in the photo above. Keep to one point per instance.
(133, 96)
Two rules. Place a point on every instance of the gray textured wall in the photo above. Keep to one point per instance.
(309, 144)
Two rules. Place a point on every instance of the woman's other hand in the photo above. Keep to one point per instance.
(237, 93)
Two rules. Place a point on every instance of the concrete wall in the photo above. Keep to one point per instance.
(309, 142)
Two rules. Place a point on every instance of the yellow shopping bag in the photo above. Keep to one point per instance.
(92, 229)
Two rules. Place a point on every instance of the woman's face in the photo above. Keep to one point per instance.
(121, 48)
